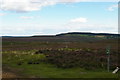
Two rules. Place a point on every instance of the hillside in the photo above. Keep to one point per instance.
(65, 37)
(86, 34)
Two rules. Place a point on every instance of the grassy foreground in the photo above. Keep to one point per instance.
(17, 62)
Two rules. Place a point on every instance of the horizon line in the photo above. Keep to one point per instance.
(55, 34)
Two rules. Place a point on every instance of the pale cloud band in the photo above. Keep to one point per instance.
(111, 8)
(79, 20)
(26, 17)
(35, 5)
(2, 14)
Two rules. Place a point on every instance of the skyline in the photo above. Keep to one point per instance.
(54, 18)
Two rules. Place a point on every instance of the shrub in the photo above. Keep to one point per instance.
(86, 58)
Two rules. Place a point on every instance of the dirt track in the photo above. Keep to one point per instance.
(8, 75)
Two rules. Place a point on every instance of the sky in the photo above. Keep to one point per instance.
(50, 17)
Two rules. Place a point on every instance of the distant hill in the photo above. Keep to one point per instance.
(73, 35)
(86, 34)
(77, 37)
(65, 37)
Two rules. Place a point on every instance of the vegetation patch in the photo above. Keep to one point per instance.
(85, 58)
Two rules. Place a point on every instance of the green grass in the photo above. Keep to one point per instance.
(45, 70)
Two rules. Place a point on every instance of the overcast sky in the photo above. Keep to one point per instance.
(43, 17)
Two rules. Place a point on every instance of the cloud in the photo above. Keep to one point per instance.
(24, 5)
(2, 14)
(113, 7)
(26, 17)
(35, 5)
(79, 20)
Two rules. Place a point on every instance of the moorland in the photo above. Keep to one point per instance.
(66, 55)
